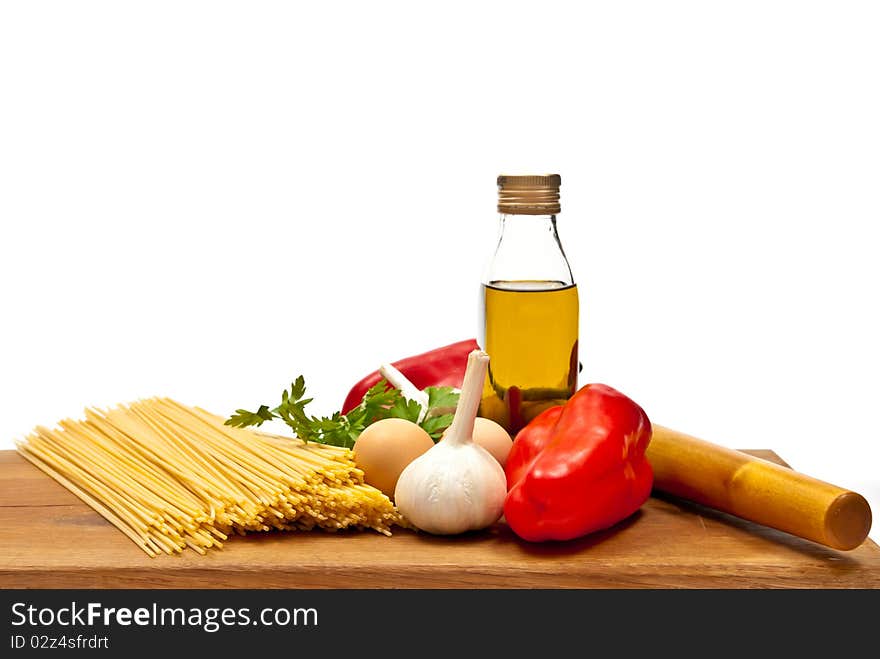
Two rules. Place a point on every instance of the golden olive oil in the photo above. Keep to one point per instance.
(531, 335)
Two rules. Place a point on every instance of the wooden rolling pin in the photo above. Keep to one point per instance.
(757, 490)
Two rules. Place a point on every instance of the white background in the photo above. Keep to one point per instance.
(204, 200)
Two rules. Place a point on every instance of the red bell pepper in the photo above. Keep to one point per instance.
(443, 367)
(579, 467)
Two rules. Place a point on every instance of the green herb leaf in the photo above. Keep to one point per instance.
(435, 425)
(243, 418)
(441, 397)
(405, 409)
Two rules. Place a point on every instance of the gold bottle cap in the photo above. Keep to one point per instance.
(529, 195)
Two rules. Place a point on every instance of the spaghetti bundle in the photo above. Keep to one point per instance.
(171, 476)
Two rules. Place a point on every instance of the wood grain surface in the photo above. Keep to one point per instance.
(49, 539)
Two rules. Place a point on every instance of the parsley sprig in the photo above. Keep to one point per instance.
(379, 402)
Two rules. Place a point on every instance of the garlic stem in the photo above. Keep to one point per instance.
(462, 429)
(399, 381)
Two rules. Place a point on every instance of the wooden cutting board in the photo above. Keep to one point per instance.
(49, 539)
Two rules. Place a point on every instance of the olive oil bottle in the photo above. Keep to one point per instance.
(529, 307)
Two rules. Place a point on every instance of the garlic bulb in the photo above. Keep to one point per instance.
(456, 485)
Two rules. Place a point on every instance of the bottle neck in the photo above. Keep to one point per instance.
(528, 227)
(529, 250)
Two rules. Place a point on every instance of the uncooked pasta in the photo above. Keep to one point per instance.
(171, 476)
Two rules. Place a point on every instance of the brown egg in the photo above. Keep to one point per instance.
(386, 447)
(492, 437)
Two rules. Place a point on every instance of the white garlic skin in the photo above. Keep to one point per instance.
(452, 488)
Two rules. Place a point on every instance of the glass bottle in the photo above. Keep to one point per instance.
(529, 307)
